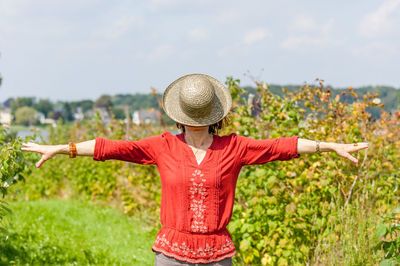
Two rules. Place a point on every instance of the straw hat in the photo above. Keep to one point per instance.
(196, 100)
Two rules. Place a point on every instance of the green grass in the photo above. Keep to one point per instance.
(352, 237)
(61, 232)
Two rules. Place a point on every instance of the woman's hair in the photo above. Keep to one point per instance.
(212, 129)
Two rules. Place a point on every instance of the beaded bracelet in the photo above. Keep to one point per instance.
(317, 147)
(72, 150)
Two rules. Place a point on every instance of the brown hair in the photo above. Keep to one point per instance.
(212, 129)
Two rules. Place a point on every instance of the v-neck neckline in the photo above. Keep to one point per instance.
(192, 155)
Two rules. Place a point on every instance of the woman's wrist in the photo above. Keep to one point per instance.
(312, 146)
(326, 146)
(62, 149)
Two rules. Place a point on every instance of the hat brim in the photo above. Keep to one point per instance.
(221, 106)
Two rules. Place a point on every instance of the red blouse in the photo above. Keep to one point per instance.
(196, 199)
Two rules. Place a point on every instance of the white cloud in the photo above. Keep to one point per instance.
(13, 8)
(161, 51)
(9, 12)
(294, 42)
(377, 50)
(228, 16)
(197, 34)
(244, 46)
(228, 50)
(250, 37)
(303, 23)
(157, 53)
(163, 3)
(119, 27)
(304, 32)
(382, 20)
(255, 35)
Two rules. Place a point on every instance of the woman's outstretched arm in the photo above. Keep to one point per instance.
(85, 148)
(344, 150)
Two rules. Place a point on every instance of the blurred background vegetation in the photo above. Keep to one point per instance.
(34, 111)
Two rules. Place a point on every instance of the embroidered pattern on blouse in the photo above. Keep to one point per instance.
(198, 195)
(201, 252)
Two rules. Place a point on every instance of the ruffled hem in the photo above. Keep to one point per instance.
(194, 248)
(166, 253)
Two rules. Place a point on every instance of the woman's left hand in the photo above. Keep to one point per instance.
(344, 150)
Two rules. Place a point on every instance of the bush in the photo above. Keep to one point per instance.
(26, 116)
(134, 188)
(291, 212)
(12, 168)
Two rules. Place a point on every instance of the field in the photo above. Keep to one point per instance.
(55, 232)
(318, 209)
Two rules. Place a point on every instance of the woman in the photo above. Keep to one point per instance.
(198, 168)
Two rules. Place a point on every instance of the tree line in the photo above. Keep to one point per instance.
(389, 96)
(25, 109)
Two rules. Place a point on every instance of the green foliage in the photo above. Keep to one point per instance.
(19, 102)
(104, 101)
(26, 116)
(12, 168)
(86, 105)
(118, 113)
(44, 106)
(286, 212)
(389, 96)
(133, 187)
(388, 231)
(60, 232)
(136, 101)
(317, 209)
(351, 237)
(66, 113)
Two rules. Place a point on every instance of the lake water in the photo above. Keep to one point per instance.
(25, 133)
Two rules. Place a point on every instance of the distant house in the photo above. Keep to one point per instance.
(146, 116)
(6, 117)
(79, 114)
(40, 116)
(43, 120)
(104, 114)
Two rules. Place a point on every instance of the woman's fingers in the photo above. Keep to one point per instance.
(41, 161)
(347, 156)
(29, 144)
(31, 148)
(357, 146)
(46, 151)
(27, 149)
(344, 150)
(351, 158)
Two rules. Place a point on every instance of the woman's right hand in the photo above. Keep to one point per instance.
(47, 151)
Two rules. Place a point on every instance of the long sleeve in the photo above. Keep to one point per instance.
(254, 151)
(143, 151)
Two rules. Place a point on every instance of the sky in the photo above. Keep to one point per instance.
(81, 49)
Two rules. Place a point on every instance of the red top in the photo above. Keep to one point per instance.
(196, 199)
